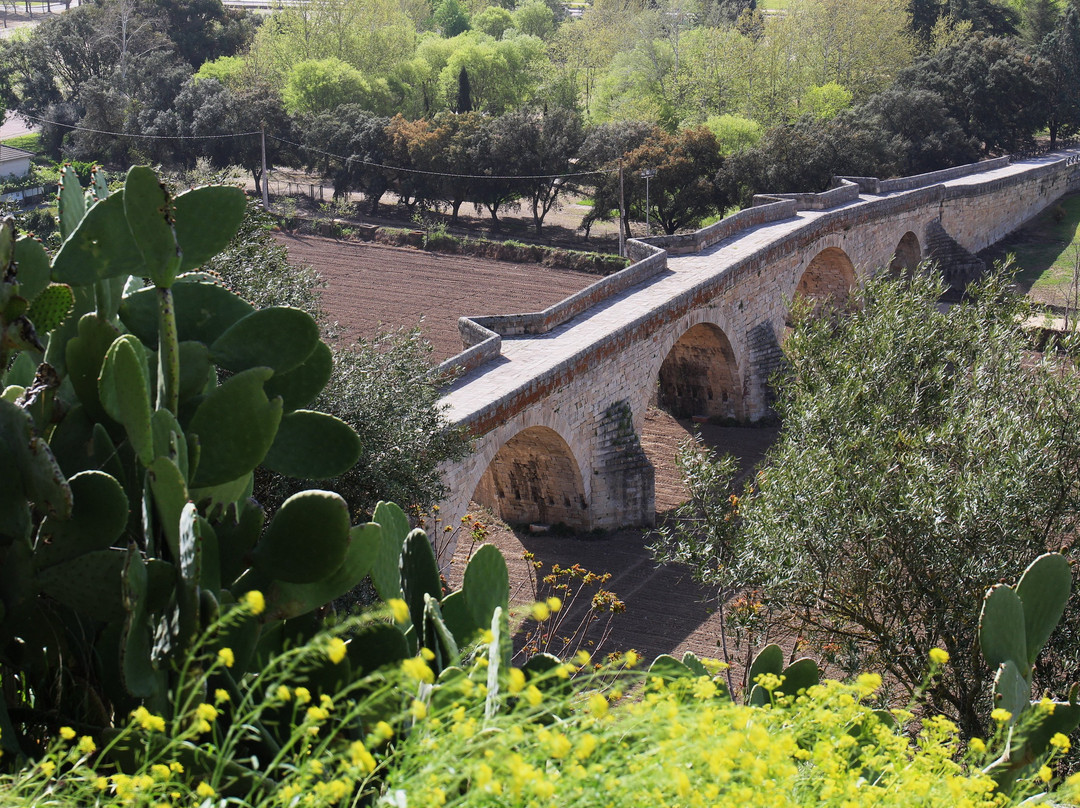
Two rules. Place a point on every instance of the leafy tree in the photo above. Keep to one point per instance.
(717, 13)
(1038, 19)
(924, 455)
(789, 159)
(535, 18)
(683, 191)
(322, 85)
(361, 138)
(203, 30)
(538, 146)
(1061, 49)
(449, 147)
(451, 18)
(604, 146)
(503, 75)
(986, 16)
(826, 101)
(995, 91)
(733, 133)
(493, 21)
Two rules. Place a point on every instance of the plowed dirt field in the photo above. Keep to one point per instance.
(369, 286)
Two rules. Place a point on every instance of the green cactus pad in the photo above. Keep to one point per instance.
(437, 637)
(458, 619)
(395, 527)
(1012, 690)
(236, 425)
(486, 584)
(203, 312)
(1044, 590)
(89, 584)
(1001, 629)
(7, 243)
(216, 498)
(71, 202)
(669, 668)
(99, 183)
(101, 247)
(21, 372)
(286, 601)
(278, 337)
(306, 540)
(376, 645)
(14, 509)
(58, 340)
(237, 536)
(302, 385)
(85, 354)
(141, 677)
(690, 660)
(770, 660)
(195, 369)
(33, 267)
(42, 481)
(419, 574)
(50, 308)
(799, 675)
(169, 440)
(313, 446)
(206, 220)
(170, 496)
(124, 388)
(150, 216)
(99, 515)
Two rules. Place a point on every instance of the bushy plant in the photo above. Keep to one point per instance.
(924, 454)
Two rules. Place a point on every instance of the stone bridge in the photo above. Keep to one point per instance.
(556, 399)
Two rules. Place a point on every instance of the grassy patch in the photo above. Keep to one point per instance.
(773, 5)
(1046, 251)
(29, 142)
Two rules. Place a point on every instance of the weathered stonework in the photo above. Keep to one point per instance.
(556, 399)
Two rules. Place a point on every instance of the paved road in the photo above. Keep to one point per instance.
(14, 126)
(526, 357)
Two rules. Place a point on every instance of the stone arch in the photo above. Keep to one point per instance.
(827, 279)
(700, 375)
(907, 256)
(534, 477)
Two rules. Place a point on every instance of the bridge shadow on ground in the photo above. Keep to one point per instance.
(665, 610)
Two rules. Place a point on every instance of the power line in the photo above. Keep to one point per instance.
(132, 135)
(371, 163)
(443, 174)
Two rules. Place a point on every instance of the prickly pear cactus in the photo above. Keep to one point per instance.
(1014, 626)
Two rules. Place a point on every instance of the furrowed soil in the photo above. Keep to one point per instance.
(373, 287)
(369, 285)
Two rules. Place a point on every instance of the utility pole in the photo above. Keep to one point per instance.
(622, 213)
(265, 176)
(648, 174)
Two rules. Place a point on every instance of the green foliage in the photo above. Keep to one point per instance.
(128, 524)
(322, 85)
(924, 454)
(733, 133)
(451, 18)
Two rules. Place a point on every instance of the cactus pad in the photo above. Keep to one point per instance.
(306, 540)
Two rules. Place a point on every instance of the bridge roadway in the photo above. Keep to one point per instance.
(527, 357)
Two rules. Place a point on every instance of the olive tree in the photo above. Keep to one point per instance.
(923, 455)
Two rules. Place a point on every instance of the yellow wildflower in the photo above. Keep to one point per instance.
(336, 650)
(517, 681)
(1046, 774)
(316, 714)
(67, 733)
(427, 654)
(159, 771)
(205, 790)
(533, 695)
(1001, 715)
(47, 767)
(147, 720)
(255, 601)
(418, 669)
(303, 695)
(939, 656)
(86, 746)
(207, 712)
(418, 709)
(598, 705)
(399, 609)
(226, 657)
(361, 757)
(540, 612)
(1060, 741)
(221, 696)
(554, 603)
(282, 693)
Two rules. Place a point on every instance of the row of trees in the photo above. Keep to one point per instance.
(485, 105)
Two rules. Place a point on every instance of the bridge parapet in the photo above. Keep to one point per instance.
(687, 243)
(872, 185)
(844, 192)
